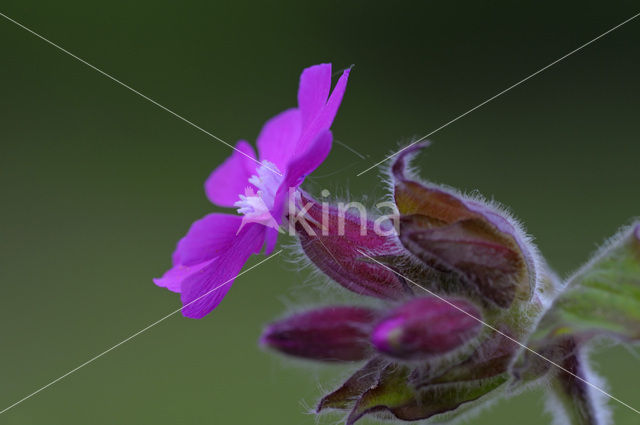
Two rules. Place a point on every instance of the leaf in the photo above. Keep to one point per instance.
(602, 299)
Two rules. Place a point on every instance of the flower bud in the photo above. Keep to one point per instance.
(472, 241)
(426, 327)
(327, 334)
(333, 240)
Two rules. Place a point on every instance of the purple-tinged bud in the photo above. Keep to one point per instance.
(331, 334)
(463, 248)
(464, 237)
(333, 239)
(426, 327)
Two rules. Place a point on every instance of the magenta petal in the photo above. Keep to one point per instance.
(207, 238)
(311, 159)
(324, 117)
(172, 279)
(279, 137)
(230, 179)
(300, 167)
(315, 83)
(271, 238)
(203, 291)
(328, 113)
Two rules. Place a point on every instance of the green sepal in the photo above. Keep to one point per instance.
(394, 397)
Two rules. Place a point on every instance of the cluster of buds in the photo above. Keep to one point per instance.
(450, 293)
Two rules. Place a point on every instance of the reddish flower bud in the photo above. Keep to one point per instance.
(333, 240)
(327, 334)
(426, 326)
(466, 238)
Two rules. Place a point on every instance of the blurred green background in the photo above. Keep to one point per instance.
(98, 184)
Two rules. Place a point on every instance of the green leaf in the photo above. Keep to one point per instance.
(601, 299)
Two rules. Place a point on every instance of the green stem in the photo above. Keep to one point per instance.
(573, 396)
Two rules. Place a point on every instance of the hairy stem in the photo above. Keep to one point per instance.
(574, 402)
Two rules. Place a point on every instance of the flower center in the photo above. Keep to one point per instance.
(256, 207)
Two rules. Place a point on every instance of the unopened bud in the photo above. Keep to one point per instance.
(463, 237)
(425, 327)
(328, 334)
(337, 249)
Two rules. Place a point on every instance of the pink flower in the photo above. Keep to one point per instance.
(291, 145)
